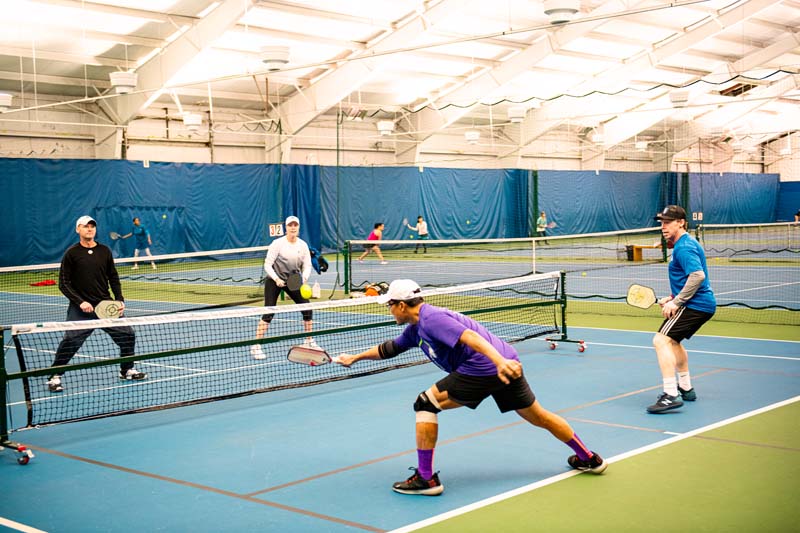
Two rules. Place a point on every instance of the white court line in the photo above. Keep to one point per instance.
(616, 458)
(759, 288)
(19, 527)
(754, 356)
(693, 336)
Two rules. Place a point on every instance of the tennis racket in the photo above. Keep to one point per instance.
(643, 297)
(551, 225)
(294, 281)
(305, 355)
(108, 309)
(405, 222)
(114, 235)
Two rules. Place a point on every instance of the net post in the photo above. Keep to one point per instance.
(3, 389)
(563, 300)
(346, 255)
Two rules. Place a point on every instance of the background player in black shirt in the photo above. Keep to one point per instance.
(87, 270)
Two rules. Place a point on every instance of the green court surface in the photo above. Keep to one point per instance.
(740, 477)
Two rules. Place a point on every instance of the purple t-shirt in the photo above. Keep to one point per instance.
(437, 334)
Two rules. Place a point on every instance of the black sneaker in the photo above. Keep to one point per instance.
(54, 384)
(132, 374)
(595, 464)
(664, 403)
(687, 395)
(422, 487)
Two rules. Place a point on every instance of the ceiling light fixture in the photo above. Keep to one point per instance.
(5, 101)
(472, 136)
(385, 127)
(516, 114)
(561, 11)
(679, 97)
(274, 57)
(192, 121)
(123, 81)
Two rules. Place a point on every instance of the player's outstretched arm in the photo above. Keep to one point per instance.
(346, 359)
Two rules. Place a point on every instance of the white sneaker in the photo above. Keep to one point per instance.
(135, 267)
(311, 343)
(132, 374)
(154, 266)
(54, 384)
(384, 262)
(257, 352)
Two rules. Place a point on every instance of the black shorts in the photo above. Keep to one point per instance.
(684, 323)
(472, 390)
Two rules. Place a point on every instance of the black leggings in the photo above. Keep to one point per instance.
(271, 293)
(123, 336)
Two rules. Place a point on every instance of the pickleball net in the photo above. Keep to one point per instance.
(206, 356)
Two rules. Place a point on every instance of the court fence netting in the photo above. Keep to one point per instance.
(754, 269)
(197, 357)
(179, 282)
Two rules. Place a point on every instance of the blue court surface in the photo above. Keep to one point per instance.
(322, 458)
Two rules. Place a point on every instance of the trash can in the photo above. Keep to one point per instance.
(629, 251)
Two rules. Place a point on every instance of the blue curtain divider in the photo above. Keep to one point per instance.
(193, 207)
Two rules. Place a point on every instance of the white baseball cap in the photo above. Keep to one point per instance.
(85, 219)
(291, 219)
(400, 289)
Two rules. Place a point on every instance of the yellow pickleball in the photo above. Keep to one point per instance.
(305, 291)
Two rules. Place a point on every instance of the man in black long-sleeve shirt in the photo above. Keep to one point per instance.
(87, 270)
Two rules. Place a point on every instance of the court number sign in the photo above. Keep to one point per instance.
(276, 230)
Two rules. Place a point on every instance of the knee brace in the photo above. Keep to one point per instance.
(427, 407)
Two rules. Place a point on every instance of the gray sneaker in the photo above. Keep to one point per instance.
(687, 395)
(664, 403)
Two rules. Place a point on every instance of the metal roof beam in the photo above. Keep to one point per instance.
(301, 109)
(536, 126)
(157, 72)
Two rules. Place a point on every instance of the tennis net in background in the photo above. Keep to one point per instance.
(611, 261)
(180, 282)
(754, 270)
(440, 263)
(197, 357)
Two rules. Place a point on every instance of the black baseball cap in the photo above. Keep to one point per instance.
(672, 212)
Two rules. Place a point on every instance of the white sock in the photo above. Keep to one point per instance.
(671, 386)
(684, 380)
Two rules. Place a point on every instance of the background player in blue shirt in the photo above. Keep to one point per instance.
(478, 364)
(691, 305)
(143, 241)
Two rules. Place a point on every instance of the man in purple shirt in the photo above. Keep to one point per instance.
(478, 364)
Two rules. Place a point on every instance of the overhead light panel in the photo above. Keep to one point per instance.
(561, 11)
(192, 121)
(385, 127)
(274, 57)
(123, 82)
(784, 151)
(516, 114)
(679, 97)
(641, 146)
(472, 136)
(5, 101)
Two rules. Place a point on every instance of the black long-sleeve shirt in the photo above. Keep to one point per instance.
(86, 274)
